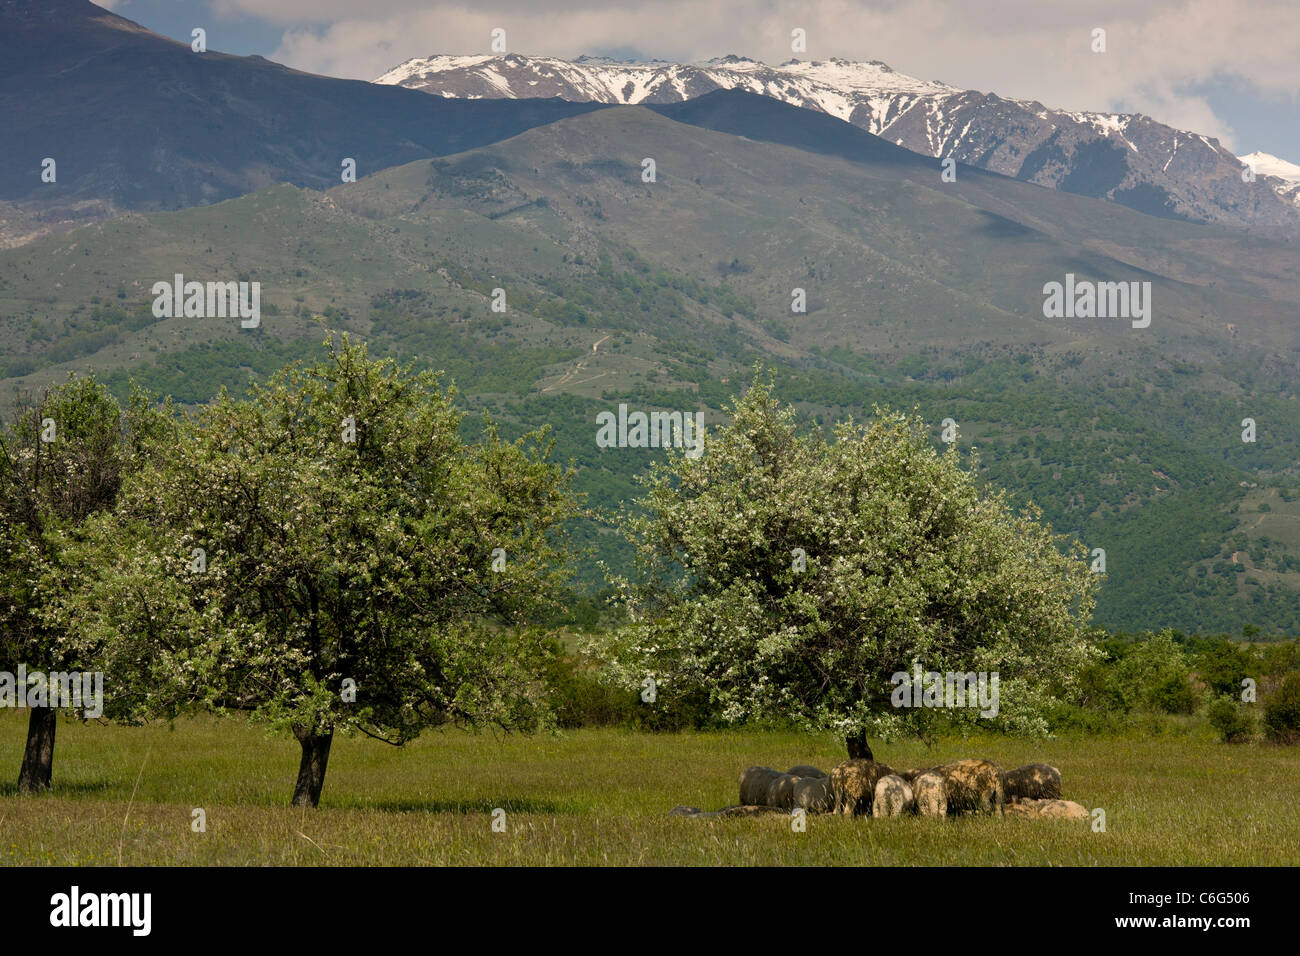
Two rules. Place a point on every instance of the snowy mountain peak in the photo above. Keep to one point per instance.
(1160, 170)
(424, 65)
(1266, 164)
(622, 81)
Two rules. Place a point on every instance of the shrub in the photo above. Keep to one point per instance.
(1281, 658)
(1282, 710)
(1223, 665)
(581, 696)
(1231, 720)
(1152, 675)
(1069, 718)
(578, 697)
(1172, 693)
(1095, 687)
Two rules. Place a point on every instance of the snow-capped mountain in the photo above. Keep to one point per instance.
(1266, 164)
(1128, 158)
(829, 86)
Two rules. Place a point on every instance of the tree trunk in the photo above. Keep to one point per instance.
(858, 747)
(311, 771)
(38, 758)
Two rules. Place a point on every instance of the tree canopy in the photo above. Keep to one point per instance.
(329, 555)
(63, 460)
(788, 575)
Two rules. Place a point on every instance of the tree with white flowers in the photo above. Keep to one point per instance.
(63, 459)
(329, 555)
(784, 574)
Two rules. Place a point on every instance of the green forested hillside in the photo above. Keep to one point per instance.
(666, 294)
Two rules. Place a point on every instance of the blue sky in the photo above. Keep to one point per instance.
(1226, 68)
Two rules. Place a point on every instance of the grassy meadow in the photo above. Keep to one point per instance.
(1172, 796)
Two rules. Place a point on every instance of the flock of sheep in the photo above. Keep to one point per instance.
(870, 788)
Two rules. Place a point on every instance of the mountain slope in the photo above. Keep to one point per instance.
(135, 121)
(664, 295)
(1127, 158)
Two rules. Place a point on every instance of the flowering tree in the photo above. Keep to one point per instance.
(787, 575)
(62, 462)
(330, 556)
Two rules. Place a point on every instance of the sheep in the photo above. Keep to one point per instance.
(804, 770)
(853, 785)
(780, 792)
(813, 794)
(755, 783)
(973, 786)
(928, 793)
(1035, 781)
(765, 787)
(1048, 809)
(893, 797)
(910, 775)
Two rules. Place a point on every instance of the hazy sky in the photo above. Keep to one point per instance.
(1226, 68)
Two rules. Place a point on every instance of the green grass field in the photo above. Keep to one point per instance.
(601, 797)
